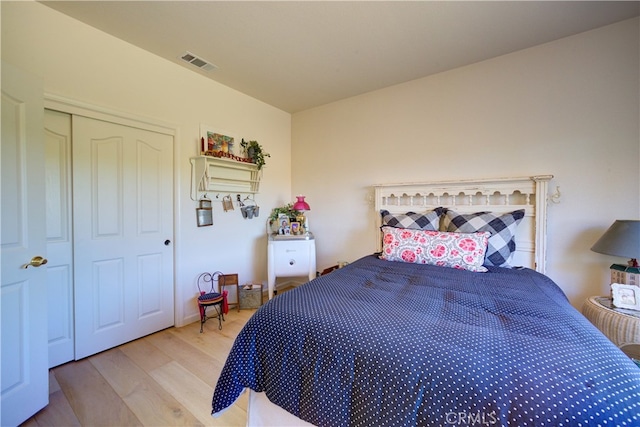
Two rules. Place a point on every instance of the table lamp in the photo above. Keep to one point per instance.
(622, 239)
(302, 206)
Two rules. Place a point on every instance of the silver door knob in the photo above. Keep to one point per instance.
(36, 261)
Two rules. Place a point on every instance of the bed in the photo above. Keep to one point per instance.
(391, 341)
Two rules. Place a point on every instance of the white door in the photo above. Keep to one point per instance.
(57, 128)
(25, 380)
(123, 232)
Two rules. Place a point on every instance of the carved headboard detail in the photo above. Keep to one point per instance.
(499, 195)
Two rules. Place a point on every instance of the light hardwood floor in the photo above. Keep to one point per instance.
(164, 379)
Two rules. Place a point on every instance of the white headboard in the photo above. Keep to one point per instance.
(495, 195)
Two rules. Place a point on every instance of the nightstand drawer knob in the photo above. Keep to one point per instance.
(292, 261)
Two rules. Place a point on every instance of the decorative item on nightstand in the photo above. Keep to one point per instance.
(302, 206)
(622, 239)
(626, 296)
(284, 213)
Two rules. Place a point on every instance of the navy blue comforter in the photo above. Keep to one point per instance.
(382, 343)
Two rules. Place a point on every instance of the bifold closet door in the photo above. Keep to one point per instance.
(123, 233)
(57, 131)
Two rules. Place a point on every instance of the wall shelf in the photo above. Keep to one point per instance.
(213, 175)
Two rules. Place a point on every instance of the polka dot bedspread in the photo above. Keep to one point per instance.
(381, 343)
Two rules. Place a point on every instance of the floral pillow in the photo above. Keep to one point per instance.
(464, 251)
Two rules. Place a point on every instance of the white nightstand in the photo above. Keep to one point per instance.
(619, 325)
(290, 256)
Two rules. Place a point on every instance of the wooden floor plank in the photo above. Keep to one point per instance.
(145, 354)
(200, 364)
(57, 413)
(166, 378)
(196, 396)
(152, 404)
(216, 343)
(92, 399)
(53, 383)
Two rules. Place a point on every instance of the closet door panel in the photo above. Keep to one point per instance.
(57, 127)
(123, 214)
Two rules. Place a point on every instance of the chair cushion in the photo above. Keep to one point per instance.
(211, 298)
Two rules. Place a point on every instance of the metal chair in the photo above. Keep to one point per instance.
(212, 298)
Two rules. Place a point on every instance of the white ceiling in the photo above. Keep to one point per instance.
(296, 55)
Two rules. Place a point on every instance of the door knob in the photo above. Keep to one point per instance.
(36, 261)
(167, 242)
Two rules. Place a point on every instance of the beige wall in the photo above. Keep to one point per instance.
(87, 65)
(568, 108)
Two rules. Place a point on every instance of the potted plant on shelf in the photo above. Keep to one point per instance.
(282, 210)
(255, 152)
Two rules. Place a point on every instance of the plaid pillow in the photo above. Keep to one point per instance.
(416, 221)
(502, 227)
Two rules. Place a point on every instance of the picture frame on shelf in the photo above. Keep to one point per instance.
(214, 142)
(284, 226)
(625, 296)
(295, 228)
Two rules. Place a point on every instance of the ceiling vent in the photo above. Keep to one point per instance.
(197, 61)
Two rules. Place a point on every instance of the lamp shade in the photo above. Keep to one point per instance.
(301, 205)
(621, 239)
